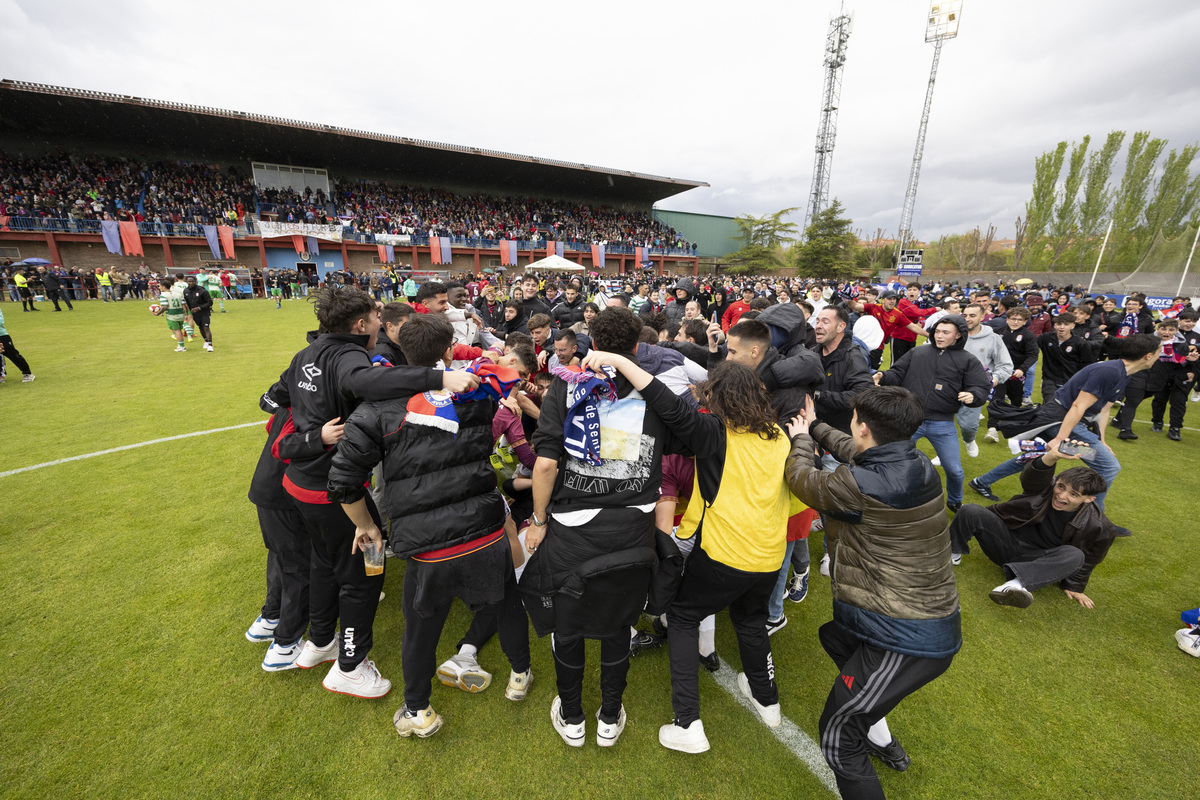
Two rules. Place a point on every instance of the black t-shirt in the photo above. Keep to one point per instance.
(1048, 532)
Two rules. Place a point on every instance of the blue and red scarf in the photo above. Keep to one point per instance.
(581, 426)
(436, 408)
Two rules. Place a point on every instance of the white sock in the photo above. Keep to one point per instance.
(468, 650)
(708, 642)
(633, 632)
(1015, 583)
(879, 734)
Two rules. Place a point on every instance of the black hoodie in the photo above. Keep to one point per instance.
(327, 380)
(936, 376)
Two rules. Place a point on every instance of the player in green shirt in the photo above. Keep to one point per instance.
(170, 305)
(211, 282)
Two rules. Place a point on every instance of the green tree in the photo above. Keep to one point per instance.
(1129, 203)
(763, 239)
(1093, 207)
(830, 246)
(1066, 216)
(1174, 195)
(1040, 208)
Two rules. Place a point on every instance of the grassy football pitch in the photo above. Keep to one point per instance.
(130, 578)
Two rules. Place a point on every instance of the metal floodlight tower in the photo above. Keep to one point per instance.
(835, 59)
(942, 24)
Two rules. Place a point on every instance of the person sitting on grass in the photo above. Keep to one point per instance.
(1053, 532)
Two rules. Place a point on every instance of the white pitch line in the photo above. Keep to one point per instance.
(789, 733)
(126, 447)
(1147, 422)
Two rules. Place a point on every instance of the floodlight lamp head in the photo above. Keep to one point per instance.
(943, 20)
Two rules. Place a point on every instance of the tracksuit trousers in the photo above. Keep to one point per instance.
(289, 560)
(418, 651)
(339, 587)
(872, 682)
(707, 587)
(614, 671)
(1035, 567)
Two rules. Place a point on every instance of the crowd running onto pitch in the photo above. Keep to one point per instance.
(622, 462)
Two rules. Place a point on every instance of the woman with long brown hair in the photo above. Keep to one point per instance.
(741, 526)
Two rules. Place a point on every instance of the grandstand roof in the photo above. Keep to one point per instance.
(29, 110)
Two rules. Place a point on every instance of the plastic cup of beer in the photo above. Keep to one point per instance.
(373, 558)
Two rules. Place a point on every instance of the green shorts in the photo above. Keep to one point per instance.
(174, 324)
(277, 292)
(215, 293)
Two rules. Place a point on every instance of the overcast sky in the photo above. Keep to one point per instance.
(725, 93)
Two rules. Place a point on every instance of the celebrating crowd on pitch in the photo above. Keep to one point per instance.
(585, 458)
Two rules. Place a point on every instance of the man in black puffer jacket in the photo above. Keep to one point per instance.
(788, 380)
(944, 377)
(447, 516)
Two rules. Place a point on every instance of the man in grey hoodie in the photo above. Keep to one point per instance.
(986, 345)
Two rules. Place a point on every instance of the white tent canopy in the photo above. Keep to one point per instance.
(554, 264)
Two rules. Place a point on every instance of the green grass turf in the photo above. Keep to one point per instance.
(130, 578)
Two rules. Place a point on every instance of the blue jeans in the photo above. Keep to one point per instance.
(968, 420)
(775, 604)
(1029, 379)
(942, 434)
(1104, 463)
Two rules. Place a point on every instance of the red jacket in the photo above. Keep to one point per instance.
(733, 314)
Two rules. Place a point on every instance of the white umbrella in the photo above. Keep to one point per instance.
(554, 264)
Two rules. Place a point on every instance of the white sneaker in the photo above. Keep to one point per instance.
(955, 559)
(282, 656)
(362, 681)
(313, 655)
(518, 685)
(973, 449)
(28, 378)
(824, 568)
(608, 733)
(463, 672)
(421, 724)
(208, 347)
(180, 349)
(771, 714)
(686, 740)
(937, 462)
(571, 734)
(992, 435)
(1188, 640)
(263, 629)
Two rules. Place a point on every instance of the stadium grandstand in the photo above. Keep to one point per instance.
(89, 179)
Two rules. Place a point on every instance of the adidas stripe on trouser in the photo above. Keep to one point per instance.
(872, 682)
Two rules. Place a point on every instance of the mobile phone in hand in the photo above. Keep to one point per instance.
(1082, 450)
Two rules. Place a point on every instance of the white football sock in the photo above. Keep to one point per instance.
(468, 650)
(1015, 583)
(879, 734)
(708, 641)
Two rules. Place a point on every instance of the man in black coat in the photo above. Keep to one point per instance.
(944, 376)
(53, 289)
(198, 303)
